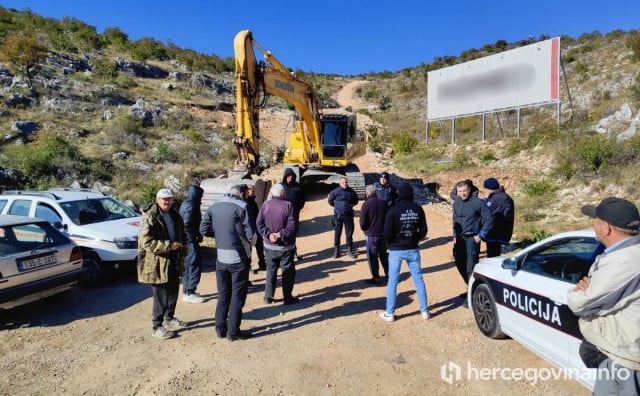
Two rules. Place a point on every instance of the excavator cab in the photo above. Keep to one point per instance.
(335, 131)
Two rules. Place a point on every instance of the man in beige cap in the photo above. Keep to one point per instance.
(608, 300)
(161, 260)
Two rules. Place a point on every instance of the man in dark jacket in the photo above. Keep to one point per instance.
(294, 194)
(372, 216)
(253, 209)
(385, 190)
(277, 226)
(472, 221)
(160, 261)
(191, 215)
(228, 221)
(501, 206)
(404, 226)
(343, 199)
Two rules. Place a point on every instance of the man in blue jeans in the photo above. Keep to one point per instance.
(404, 226)
(190, 213)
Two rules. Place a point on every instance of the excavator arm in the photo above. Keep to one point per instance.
(321, 145)
(256, 79)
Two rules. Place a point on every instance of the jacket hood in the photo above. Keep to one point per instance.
(405, 191)
(195, 193)
(288, 172)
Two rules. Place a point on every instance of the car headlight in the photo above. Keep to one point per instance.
(127, 242)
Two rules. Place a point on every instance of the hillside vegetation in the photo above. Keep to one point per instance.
(100, 110)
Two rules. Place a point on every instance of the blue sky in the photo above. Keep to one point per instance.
(343, 36)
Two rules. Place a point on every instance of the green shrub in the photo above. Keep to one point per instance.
(594, 150)
(462, 160)
(403, 142)
(164, 154)
(149, 190)
(41, 162)
(104, 68)
(633, 43)
(538, 235)
(124, 81)
(487, 157)
(537, 188)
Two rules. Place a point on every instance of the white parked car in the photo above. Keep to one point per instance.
(36, 261)
(105, 228)
(524, 296)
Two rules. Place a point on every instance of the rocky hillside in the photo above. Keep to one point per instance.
(97, 117)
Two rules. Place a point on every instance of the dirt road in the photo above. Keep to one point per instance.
(98, 341)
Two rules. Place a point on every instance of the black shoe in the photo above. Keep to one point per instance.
(221, 333)
(374, 281)
(291, 300)
(255, 271)
(241, 335)
(336, 252)
(268, 300)
(298, 257)
(351, 254)
(250, 285)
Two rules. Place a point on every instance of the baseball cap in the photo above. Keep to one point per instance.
(384, 175)
(164, 193)
(615, 211)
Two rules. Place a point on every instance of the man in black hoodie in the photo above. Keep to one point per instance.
(191, 215)
(294, 194)
(404, 226)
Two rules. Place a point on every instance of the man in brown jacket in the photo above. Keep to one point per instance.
(161, 260)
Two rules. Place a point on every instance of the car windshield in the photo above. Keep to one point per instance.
(90, 211)
(27, 237)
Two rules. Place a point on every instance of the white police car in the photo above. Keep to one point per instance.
(524, 296)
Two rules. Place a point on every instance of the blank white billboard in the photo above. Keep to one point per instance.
(519, 77)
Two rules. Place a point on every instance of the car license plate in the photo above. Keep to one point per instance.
(36, 262)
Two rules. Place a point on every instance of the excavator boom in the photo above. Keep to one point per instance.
(320, 145)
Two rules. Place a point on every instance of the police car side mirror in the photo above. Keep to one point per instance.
(510, 263)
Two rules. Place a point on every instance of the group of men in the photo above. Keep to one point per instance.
(607, 300)
(169, 247)
(393, 226)
(474, 220)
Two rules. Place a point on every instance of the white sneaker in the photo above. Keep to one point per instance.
(174, 324)
(385, 316)
(425, 315)
(161, 332)
(192, 298)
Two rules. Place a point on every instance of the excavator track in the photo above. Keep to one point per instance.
(356, 180)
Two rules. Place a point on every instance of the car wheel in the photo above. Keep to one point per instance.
(98, 273)
(485, 313)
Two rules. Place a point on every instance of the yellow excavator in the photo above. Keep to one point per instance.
(320, 147)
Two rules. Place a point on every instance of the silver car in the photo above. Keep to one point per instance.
(36, 261)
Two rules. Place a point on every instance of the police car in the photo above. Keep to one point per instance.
(524, 296)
